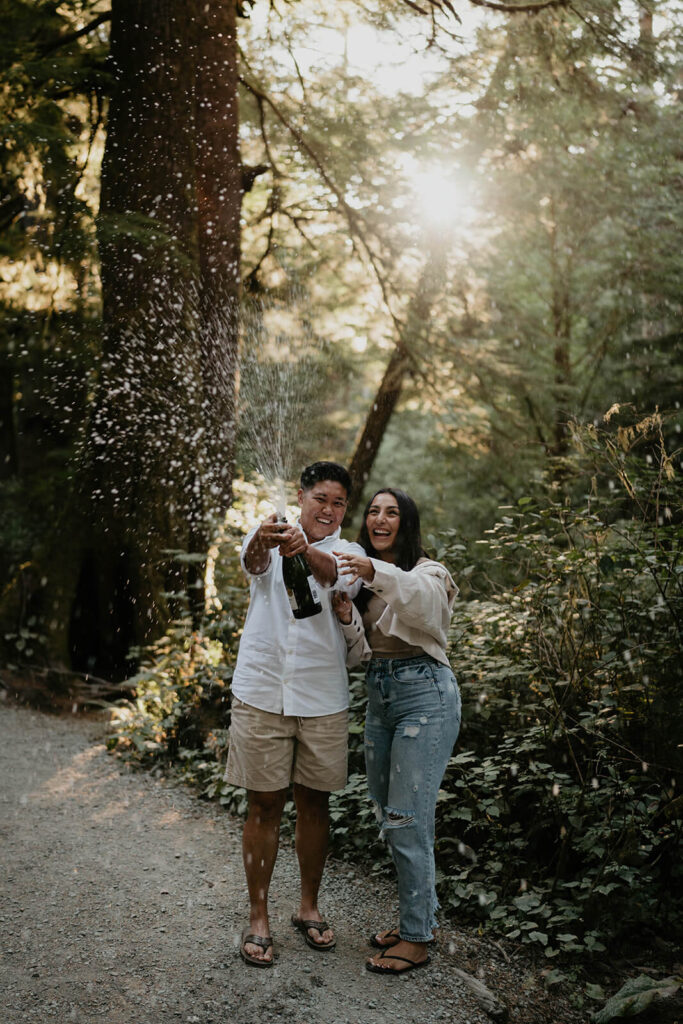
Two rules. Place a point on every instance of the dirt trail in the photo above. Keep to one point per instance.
(123, 899)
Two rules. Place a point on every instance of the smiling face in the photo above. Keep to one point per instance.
(322, 508)
(382, 522)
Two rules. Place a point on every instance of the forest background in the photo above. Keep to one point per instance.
(439, 242)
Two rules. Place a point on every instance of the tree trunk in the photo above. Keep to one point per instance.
(157, 464)
(219, 202)
(415, 332)
(561, 322)
(8, 438)
(376, 423)
(145, 449)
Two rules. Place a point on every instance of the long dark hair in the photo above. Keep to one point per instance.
(408, 547)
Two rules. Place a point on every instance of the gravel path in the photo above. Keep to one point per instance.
(124, 898)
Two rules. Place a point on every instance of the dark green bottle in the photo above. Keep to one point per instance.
(300, 585)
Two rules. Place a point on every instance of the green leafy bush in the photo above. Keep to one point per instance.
(560, 821)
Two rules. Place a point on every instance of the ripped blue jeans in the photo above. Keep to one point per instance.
(412, 723)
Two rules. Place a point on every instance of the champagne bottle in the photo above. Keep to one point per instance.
(300, 585)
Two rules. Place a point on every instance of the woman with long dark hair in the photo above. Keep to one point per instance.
(398, 625)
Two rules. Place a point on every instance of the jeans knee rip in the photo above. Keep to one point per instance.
(395, 818)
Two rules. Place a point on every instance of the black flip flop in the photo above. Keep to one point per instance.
(318, 926)
(265, 942)
(414, 964)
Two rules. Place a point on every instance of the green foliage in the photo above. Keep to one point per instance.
(51, 91)
(563, 807)
(51, 104)
(181, 677)
(179, 716)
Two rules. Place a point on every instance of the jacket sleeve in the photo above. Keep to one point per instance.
(357, 647)
(420, 599)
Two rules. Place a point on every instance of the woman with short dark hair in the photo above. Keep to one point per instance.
(398, 625)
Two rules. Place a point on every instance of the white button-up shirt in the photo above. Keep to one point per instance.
(286, 665)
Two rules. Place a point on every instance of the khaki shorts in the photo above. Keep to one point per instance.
(268, 751)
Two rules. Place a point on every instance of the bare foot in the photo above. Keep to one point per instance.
(387, 938)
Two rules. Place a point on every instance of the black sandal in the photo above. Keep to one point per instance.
(413, 964)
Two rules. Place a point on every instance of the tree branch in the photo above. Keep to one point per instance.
(262, 119)
(350, 214)
(520, 8)
(95, 125)
(438, 5)
(604, 39)
(296, 221)
(414, 7)
(71, 37)
(535, 420)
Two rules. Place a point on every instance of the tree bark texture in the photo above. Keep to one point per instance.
(219, 204)
(8, 439)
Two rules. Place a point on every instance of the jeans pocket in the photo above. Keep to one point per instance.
(418, 671)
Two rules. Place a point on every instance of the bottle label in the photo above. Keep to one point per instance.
(314, 589)
(314, 593)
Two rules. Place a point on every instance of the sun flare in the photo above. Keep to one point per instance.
(444, 198)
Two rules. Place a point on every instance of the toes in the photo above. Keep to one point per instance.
(257, 952)
(254, 951)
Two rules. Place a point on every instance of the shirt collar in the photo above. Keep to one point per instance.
(314, 543)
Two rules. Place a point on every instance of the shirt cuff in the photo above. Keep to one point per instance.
(352, 630)
(381, 579)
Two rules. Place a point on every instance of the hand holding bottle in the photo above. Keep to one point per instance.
(293, 541)
(268, 536)
(274, 532)
(271, 532)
